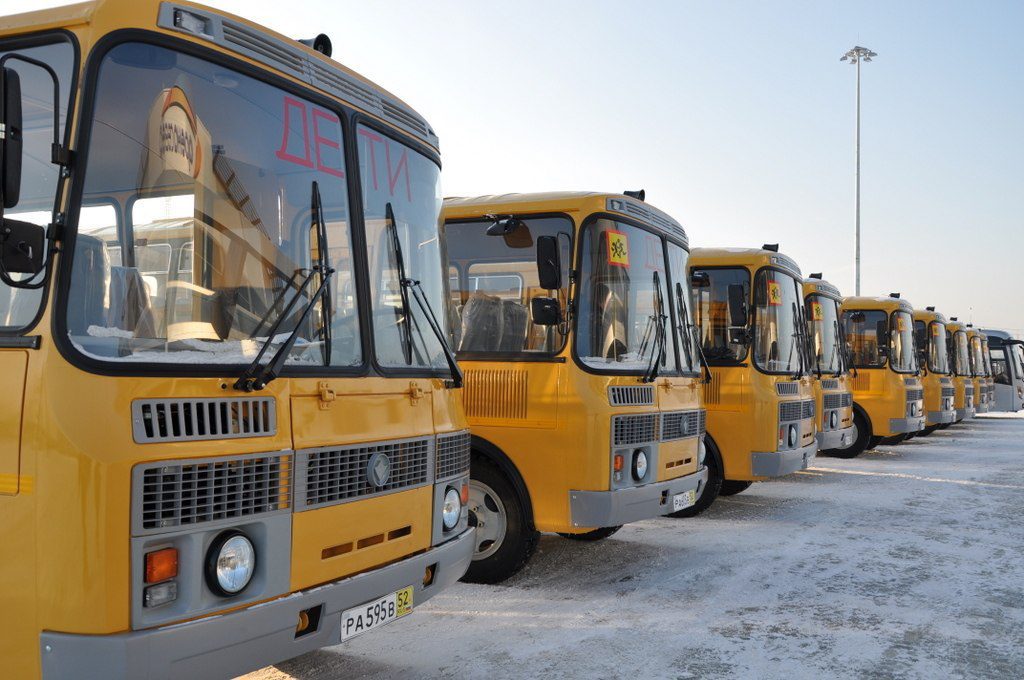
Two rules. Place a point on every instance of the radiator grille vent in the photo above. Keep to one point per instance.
(189, 493)
(786, 389)
(968, 389)
(915, 395)
(948, 391)
(829, 384)
(796, 410)
(831, 401)
(334, 475)
(631, 395)
(171, 420)
(861, 382)
(634, 429)
(713, 389)
(682, 424)
(495, 394)
(452, 455)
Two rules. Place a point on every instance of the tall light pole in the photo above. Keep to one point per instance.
(855, 56)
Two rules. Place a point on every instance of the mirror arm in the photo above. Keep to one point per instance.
(58, 154)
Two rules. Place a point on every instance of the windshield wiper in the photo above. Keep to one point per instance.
(405, 284)
(693, 344)
(658, 346)
(837, 348)
(256, 376)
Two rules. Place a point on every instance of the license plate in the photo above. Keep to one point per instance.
(681, 501)
(375, 613)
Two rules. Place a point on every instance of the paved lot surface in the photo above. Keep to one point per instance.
(906, 562)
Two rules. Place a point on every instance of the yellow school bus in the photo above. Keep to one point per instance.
(959, 347)
(888, 399)
(933, 359)
(981, 370)
(748, 306)
(232, 431)
(833, 397)
(582, 392)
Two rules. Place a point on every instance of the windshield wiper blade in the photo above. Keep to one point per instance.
(317, 210)
(658, 346)
(256, 376)
(405, 284)
(405, 329)
(693, 344)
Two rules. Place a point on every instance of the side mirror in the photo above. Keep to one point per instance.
(545, 311)
(737, 306)
(549, 263)
(10, 143)
(21, 247)
(700, 279)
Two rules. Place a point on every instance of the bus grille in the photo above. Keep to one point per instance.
(948, 391)
(186, 493)
(796, 410)
(452, 455)
(683, 424)
(829, 384)
(843, 400)
(915, 395)
(634, 429)
(631, 395)
(969, 389)
(176, 420)
(335, 475)
(787, 388)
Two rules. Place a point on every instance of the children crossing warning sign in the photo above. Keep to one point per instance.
(774, 293)
(618, 248)
(817, 311)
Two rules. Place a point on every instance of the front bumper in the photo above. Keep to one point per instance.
(982, 408)
(622, 506)
(940, 417)
(906, 425)
(963, 413)
(779, 463)
(223, 646)
(835, 439)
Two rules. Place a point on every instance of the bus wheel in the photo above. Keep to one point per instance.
(861, 439)
(928, 430)
(731, 487)
(595, 535)
(504, 540)
(709, 492)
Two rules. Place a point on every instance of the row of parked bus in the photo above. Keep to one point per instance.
(257, 400)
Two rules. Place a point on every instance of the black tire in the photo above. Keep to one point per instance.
(516, 543)
(712, 487)
(731, 487)
(875, 441)
(861, 443)
(929, 429)
(590, 536)
(944, 426)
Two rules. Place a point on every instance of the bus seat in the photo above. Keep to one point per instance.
(88, 279)
(130, 308)
(481, 323)
(514, 323)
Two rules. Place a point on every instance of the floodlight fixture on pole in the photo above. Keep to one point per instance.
(855, 56)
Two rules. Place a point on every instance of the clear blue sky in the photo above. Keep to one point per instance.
(736, 117)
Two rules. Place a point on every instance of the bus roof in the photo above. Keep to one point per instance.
(929, 315)
(887, 303)
(754, 258)
(822, 287)
(582, 202)
(242, 37)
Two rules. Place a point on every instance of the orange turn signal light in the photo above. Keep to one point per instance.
(464, 493)
(161, 565)
(619, 462)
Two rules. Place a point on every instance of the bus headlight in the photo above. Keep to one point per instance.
(794, 436)
(451, 509)
(833, 420)
(230, 563)
(639, 465)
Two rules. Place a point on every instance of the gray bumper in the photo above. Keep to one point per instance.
(622, 506)
(962, 413)
(940, 417)
(982, 408)
(906, 425)
(778, 463)
(231, 644)
(835, 439)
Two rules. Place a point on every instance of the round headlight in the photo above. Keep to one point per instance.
(793, 436)
(833, 420)
(230, 563)
(451, 509)
(639, 465)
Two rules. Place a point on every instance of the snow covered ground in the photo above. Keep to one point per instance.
(906, 562)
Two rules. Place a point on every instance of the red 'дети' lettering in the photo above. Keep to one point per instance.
(319, 141)
(399, 169)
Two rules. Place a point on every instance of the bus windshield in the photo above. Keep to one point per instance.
(823, 327)
(494, 279)
(202, 240)
(901, 342)
(19, 306)
(711, 311)
(778, 344)
(977, 357)
(938, 355)
(626, 300)
(960, 354)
